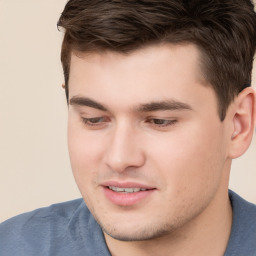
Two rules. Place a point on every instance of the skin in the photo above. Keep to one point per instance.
(183, 152)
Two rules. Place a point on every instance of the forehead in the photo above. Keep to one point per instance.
(184, 54)
(148, 74)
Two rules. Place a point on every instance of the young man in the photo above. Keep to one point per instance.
(159, 102)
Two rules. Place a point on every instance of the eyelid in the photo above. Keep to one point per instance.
(95, 121)
(98, 122)
(167, 122)
(88, 111)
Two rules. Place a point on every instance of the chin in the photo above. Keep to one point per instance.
(138, 233)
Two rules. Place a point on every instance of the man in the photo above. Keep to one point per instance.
(159, 103)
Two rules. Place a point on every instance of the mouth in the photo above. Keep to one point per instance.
(126, 190)
(127, 194)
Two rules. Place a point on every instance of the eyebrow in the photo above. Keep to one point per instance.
(164, 105)
(147, 107)
(87, 102)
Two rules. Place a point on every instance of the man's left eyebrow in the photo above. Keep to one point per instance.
(163, 105)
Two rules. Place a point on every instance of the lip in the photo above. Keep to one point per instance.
(126, 199)
(126, 185)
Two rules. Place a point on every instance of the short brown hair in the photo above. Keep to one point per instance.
(224, 31)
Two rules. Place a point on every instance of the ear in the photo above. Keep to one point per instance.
(244, 120)
(63, 86)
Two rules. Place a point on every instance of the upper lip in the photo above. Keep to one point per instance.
(126, 185)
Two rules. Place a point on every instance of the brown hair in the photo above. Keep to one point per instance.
(224, 31)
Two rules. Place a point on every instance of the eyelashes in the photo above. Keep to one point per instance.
(101, 122)
(161, 122)
(95, 121)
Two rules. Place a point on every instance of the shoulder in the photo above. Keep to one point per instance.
(60, 212)
(244, 216)
(36, 227)
(243, 234)
(62, 229)
(242, 208)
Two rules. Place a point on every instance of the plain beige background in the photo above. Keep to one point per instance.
(34, 164)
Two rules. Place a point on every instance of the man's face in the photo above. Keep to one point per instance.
(147, 148)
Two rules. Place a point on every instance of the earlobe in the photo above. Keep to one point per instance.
(244, 111)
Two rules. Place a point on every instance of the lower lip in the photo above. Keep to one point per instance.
(126, 199)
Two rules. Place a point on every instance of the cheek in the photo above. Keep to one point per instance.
(85, 153)
(84, 147)
(189, 162)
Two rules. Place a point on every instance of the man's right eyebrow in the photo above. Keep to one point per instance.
(86, 102)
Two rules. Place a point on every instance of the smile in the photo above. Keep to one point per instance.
(127, 193)
(126, 190)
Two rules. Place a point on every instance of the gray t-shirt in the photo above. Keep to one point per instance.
(68, 229)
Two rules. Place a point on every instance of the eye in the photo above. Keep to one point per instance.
(158, 122)
(95, 121)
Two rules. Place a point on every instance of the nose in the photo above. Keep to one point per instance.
(124, 150)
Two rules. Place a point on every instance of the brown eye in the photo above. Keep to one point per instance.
(95, 121)
(161, 122)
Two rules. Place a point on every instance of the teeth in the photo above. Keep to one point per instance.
(119, 189)
(126, 190)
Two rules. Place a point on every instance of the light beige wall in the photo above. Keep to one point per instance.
(34, 165)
